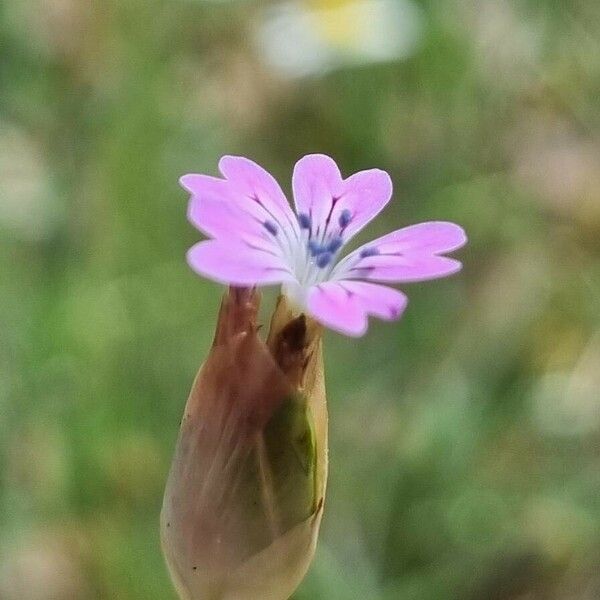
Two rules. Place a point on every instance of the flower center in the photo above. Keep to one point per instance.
(313, 255)
(315, 260)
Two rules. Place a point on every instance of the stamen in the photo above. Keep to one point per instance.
(335, 244)
(304, 221)
(345, 218)
(315, 248)
(324, 259)
(369, 252)
(270, 227)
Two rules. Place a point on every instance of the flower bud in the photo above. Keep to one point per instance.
(244, 498)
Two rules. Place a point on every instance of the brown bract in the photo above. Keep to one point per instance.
(244, 498)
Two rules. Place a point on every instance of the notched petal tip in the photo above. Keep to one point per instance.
(230, 160)
(318, 157)
(455, 234)
(194, 259)
(316, 166)
(454, 267)
(458, 267)
(373, 177)
(446, 267)
(185, 181)
(192, 212)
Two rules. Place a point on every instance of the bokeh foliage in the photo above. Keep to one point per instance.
(464, 440)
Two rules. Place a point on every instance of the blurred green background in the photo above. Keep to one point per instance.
(465, 439)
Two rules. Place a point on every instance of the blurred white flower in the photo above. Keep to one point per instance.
(299, 39)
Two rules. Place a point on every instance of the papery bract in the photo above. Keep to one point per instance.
(244, 498)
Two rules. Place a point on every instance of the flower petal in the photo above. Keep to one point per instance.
(257, 187)
(315, 182)
(401, 268)
(330, 304)
(377, 300)
(213, 209)
(364, 195)
(235, 263)
(433, 237)
(344, 305)
(335, 205)
(405, 255)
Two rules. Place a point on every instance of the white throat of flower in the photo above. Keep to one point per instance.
(311, 253)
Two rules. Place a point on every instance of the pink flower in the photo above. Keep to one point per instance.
(256, 239)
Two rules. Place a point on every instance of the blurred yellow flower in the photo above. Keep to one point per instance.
(306, 38)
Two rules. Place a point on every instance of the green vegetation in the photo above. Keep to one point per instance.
(464, 457)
